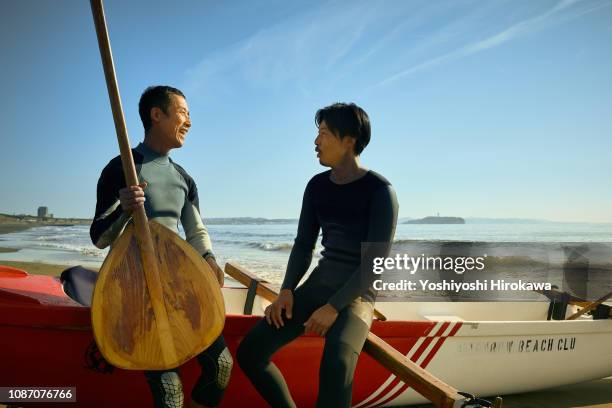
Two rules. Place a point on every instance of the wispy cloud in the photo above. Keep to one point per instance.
(553, 16)
(296, 50)
(415, 31)
(348, 45)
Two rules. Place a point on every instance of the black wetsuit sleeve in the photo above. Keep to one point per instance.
(305, 241)
(381, 229)
(109, 219)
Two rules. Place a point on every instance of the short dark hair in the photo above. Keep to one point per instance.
(152, 97)
(347, 119)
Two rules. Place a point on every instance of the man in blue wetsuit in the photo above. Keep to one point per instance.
(351, 205)
(169, 195)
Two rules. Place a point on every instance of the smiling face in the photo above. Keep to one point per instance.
(331, 149)
(173, 125)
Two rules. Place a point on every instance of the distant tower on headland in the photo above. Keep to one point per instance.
(43, 213)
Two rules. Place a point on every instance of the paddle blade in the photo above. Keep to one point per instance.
(124, 323)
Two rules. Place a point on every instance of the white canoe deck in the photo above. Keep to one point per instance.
(489, 348)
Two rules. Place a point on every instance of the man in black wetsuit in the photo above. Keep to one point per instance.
(169, 195)
(351, 205)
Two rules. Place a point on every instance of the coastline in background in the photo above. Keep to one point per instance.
(264, 248)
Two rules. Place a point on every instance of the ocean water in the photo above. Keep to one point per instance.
(264, 249)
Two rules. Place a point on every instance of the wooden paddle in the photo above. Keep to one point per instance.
(590, 307)
(554, 294)
(435, 390)
(156, 303)
(587, 306)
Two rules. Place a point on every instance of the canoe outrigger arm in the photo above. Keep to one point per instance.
(435, 390)
(591, 306)
(560, 301)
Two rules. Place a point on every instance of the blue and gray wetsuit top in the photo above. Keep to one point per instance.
(171, 196)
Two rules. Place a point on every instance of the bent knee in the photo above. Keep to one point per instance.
(167, 389)
(341, 358)
(225, 363)
(216, 373)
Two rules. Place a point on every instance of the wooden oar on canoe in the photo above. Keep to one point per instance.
(435, 390)
(590, 306)
(554, 294)
(156, 303)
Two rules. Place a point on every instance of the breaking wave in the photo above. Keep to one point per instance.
(270, 246)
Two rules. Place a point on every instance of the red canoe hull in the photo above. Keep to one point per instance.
(46, 340)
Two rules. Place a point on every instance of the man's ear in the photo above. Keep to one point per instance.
(349, 142)
(156, 114)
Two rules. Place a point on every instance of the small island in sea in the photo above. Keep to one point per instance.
(437, 220)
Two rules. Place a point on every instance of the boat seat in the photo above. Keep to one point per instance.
(444, 318)
(78, 284)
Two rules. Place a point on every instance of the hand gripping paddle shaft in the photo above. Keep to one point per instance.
(156, 303)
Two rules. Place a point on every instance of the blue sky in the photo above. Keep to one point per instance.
(478, 108)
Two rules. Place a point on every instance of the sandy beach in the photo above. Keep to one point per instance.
(592, 394)
(7, 226)
(37, 268)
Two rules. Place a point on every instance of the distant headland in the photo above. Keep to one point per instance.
(14, 223)
(437, 220)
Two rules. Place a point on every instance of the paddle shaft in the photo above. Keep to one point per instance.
(245, 277)
(435, 390)
(141, 224)
(590, 307)
(554, 294)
